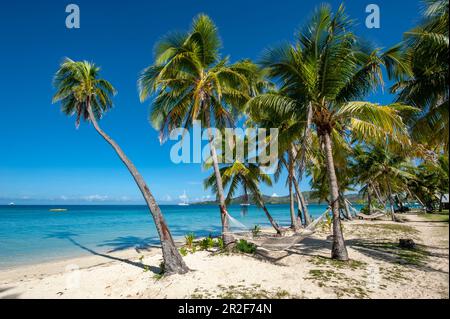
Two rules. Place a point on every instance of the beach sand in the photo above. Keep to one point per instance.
(378, 269)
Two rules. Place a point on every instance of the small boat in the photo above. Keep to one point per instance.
(11, 204)
(184, 200)
(58, 210)
(245, 204)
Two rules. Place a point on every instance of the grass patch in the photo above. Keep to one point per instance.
(241, 291)
(337, 264)
(437, 217)
(342, 285)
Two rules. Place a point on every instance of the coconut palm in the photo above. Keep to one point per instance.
(330, 70)
(191, 82)
(389, 171)
(248, 176)
(422, 75)
(84, 94)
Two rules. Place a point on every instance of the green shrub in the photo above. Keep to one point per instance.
(219, 243)
(183, 251)
(244, 246)
(206, 243)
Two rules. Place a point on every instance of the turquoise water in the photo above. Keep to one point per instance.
(30, 234)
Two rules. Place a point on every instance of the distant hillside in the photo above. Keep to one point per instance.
(282, 199)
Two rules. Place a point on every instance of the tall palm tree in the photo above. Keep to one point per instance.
(192, 82)
(82, 93)
(330, 70)
(422, 75)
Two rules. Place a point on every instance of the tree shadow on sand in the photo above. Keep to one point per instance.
(69, 236)
(383, 250)
(127, 242)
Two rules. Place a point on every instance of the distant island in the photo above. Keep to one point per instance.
(353, 198)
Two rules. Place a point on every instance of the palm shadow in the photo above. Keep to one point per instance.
(69, 236)
(127, 242)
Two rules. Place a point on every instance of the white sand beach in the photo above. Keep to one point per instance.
(378, 269)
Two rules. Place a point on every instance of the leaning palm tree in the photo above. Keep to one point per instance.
(82, 93)
(192, 83)
(329, 70)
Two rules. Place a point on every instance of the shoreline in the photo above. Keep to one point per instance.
(305, 272)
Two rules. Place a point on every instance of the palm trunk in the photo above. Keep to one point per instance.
(338, 251)
(306, 140)
(377, 193)
(173, 262)
(270, 218)
(369, 200)
(347, 214)
(302, 201)
(294, 221)
(226, 235)
(441, 205)
(391, 203)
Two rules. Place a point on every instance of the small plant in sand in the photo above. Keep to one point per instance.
(256, 230)
(244, 246)
(219, 243)
(183, 251)
(326, 224)
(162, 271)
(189, 239)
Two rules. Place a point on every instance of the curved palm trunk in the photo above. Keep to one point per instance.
(173, 262)
(270, 218)
(338, 251)
(369, 200)
(380, 199)
(391, 203)
(302, 203)
(226, 235)
(347, 213)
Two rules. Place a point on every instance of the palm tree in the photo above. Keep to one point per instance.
(82, 93)
(390, 171)
(330, 70)
(249, 176)
(422, 75)
(191, 82)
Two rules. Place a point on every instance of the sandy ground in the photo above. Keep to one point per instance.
(378, 269)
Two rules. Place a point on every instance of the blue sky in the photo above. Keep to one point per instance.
(44, 159)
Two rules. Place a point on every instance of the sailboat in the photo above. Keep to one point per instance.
(184, 200)
(11, 204)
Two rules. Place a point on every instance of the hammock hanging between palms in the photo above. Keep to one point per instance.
(272, 242)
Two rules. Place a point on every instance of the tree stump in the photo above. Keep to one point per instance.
(407, 244)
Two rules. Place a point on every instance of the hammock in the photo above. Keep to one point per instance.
(376, 215)
(273, 243)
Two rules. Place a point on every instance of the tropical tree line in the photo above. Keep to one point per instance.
(316, 90)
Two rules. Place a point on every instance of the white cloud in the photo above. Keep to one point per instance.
(95, 198)
(275, 195)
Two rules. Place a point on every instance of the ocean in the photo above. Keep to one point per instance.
(34, 234)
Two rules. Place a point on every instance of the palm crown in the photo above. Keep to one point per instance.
(78, 87)
(329, 69)
(192, 82)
